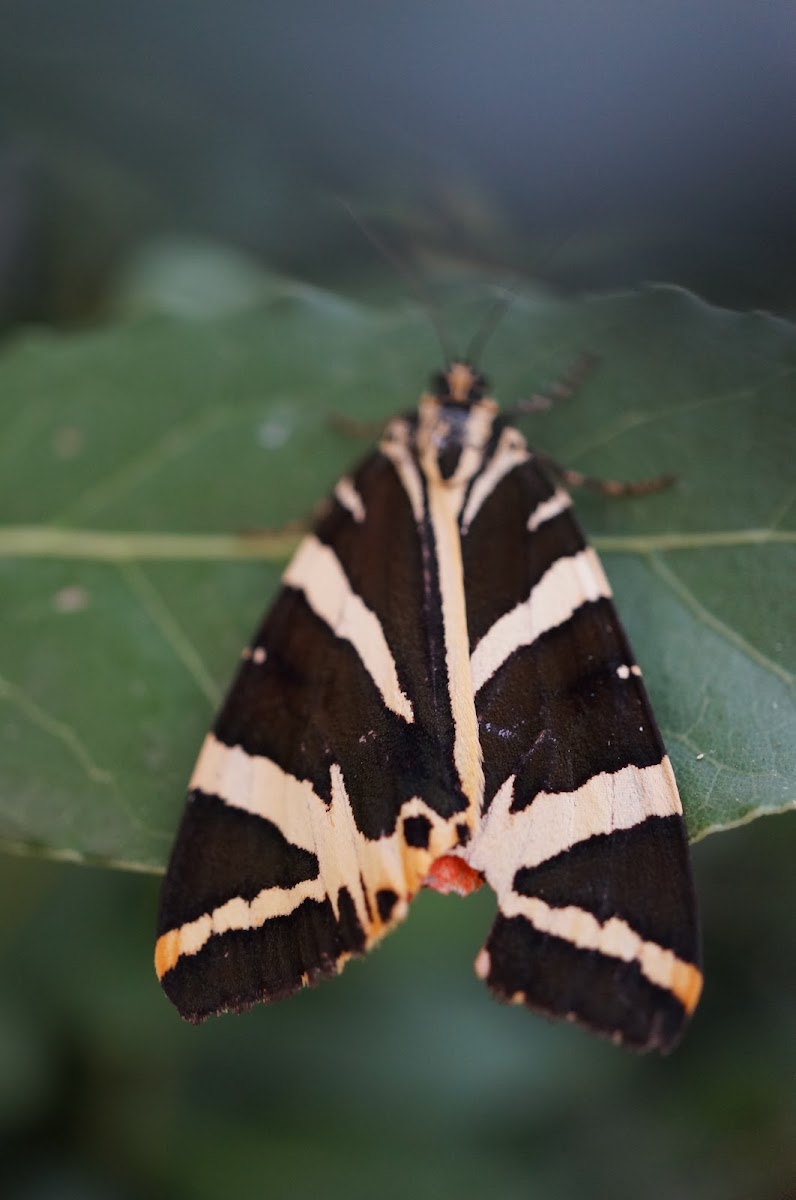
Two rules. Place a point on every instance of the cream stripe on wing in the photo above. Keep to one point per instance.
(255, 785)
(346, 858)
(557, 821)
(559, 502)
(564, 587)
(316, 571)
(346, 494)
(614, 938)
(259, 786)
(395, 446)
(443, 507)
(510, 452)
(477, 431)
(552, 824)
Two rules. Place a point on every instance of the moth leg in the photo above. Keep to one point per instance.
(608, 487)
(563, 389)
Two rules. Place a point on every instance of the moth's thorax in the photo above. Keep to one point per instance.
(452, 436)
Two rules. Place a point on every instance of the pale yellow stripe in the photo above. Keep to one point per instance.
(510, 452)
(569, 583)
(395, 446)
(346, 858)
(557, 821)
(316, 571)
(466, 744)
(258, 786)
(346, 494)
(614, 938)
(508, 841)
(559, 502)
(444, 499)
(236, 914)
(477, 431)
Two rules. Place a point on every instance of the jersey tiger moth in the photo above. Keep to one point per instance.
(440, 694)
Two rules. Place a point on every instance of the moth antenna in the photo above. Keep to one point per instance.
(498, 310)
(414, 282)
(488, 325)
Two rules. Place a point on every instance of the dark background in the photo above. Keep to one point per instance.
(592, 145)
(658, 139)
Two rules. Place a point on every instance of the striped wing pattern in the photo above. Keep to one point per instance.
(442, 674)
(327, 786)
(582, 837)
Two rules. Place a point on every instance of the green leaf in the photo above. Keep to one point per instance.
(136, 458)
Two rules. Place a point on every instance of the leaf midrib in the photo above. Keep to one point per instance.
(93, 545)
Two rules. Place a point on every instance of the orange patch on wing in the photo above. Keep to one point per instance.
(167, 951)
(452, 874)
(686, 985)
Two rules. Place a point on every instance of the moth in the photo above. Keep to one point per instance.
(441, 694)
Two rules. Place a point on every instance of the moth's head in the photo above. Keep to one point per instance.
(455, 416)
(460, 384)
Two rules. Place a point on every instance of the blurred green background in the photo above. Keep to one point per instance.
(596, 147)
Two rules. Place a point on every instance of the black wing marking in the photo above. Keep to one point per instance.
(327, 786)
(582, 837)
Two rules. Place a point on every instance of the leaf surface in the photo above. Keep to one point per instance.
(139, 461)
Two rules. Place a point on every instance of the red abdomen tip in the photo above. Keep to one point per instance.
(452, 874)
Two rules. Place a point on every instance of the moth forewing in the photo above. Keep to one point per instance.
(442, 679)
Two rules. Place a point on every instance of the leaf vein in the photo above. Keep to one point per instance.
(166, 623)
(667, 575)
(141, 466)
(631, 421)
(57, 729)
(124, 546)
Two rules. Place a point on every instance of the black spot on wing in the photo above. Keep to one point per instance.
(641, 875)
(606, 995)
(463, 833)
(556, 713)
(221, 852)
(417, 832)
(386, 900)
